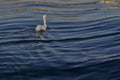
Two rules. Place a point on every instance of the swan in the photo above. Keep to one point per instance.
(42, 27)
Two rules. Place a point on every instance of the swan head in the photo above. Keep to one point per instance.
(44, 16)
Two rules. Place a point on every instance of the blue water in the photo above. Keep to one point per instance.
(82, 41)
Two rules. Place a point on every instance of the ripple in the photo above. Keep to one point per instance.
(82, 40)
(48, 3)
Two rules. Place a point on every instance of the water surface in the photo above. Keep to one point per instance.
(82, 41)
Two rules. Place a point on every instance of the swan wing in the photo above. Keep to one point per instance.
(38, 28)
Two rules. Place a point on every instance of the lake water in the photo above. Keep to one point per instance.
(82, 41)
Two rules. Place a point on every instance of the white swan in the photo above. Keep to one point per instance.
(42, 27)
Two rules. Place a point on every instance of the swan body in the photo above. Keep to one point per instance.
(42, 27)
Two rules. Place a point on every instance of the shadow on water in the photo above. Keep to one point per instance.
(82, 41)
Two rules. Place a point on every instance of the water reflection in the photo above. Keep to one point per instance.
(42, 35)
(77, 3)
(112, 4)
(81, 33)
(109, 1)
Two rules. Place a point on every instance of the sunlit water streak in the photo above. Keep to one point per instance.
(82, 41)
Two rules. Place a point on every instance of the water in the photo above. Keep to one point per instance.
(82, 41)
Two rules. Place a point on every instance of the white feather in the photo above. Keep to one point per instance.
(42, 27)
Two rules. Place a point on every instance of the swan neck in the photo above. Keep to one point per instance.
(44, 21)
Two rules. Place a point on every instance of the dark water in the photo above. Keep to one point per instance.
(82, 41)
